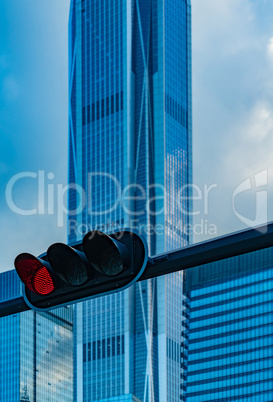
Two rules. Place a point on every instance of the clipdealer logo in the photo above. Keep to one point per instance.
(50, 198)
(261, 201)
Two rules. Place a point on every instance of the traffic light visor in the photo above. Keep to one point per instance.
(109, 256)
(34, 274)
(68, 264)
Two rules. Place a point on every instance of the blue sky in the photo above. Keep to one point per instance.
(33, 116)
(232, 111)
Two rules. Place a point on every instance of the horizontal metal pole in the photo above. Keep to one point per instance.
(210, 251)
(13, 306)
(188, 257)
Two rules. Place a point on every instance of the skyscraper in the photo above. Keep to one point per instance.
(35, 351)
(129, 166)
(229, 344)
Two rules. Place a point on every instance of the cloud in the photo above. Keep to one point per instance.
(32, 234)
(270, 47)
(21, 232)
(232, 101)
(253, 149)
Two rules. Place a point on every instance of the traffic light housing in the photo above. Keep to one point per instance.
(101, 264)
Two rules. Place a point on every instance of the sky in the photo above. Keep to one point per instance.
(33, 118)
(232, 61)
(233, 111)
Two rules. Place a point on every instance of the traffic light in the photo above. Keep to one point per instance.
(101, 264)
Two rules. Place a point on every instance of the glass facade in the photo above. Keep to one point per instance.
(229, 327)
(35, 351)
(123, 398)
(129, 159)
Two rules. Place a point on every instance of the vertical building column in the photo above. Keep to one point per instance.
(78, 134)
(79, 351)
(128, 99)
(159, 131)
(162, 338)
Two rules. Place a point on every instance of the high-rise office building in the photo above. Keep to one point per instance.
(129, 166)
(36, 351)
(228, 350)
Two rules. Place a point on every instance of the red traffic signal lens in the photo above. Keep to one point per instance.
(43, 282)
(34, 274)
